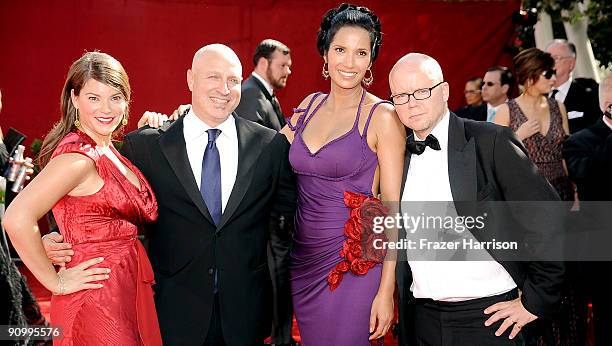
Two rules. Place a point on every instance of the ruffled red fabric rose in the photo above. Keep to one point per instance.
(358, 253)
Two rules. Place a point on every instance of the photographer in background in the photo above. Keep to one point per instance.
(18, 306)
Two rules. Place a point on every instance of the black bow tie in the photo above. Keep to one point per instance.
(418, 147)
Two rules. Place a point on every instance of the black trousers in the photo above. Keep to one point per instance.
(215, 332)
(460, 323)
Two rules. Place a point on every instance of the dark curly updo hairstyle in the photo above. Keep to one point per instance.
(530, 63)
(349, 15)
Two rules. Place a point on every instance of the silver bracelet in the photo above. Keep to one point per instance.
(61, 289)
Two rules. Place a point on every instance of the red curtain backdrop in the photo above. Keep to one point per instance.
(155, 41)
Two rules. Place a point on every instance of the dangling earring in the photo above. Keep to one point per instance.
(368, 80)
(325, 72)
(124, 121)
(77, 123)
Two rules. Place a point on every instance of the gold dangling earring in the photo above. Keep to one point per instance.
(77, 123)
(368, 80)
(124, 121)
(325, 72)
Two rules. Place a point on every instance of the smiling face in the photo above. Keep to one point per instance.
(349, 56)
(414, 72)
(214, 80)
(101, 108)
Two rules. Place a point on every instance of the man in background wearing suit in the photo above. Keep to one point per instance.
(497, 85)
(457, 160)
(579, 95)
(272, 60)
(588, 155)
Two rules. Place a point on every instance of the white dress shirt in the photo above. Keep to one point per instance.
(264, 82)
(563, 90)
(196, 139)
(428, 180)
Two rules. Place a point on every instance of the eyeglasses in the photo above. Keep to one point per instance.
(421, 94)
(608, 112)
(549, 73)
(489, 84)
(559, 57)
(471, 92)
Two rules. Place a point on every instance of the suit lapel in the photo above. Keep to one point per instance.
(407, 157)
(172, 144)
(275, 105)
(461, 161)
(248, 148)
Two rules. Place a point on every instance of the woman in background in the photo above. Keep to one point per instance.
(539, 122)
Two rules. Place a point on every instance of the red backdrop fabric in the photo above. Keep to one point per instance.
(155, 41)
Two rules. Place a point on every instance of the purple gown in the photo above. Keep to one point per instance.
(339, 317)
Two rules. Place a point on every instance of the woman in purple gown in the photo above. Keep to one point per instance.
(345, 141)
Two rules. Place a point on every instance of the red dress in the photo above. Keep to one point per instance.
(105, 224)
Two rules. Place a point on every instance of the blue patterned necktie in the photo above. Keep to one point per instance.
(491, 114)
(210, 183)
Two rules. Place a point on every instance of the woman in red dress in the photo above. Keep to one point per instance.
(103, 296)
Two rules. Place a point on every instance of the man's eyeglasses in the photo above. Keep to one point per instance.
(471, 92)
(559, 57)
(549, 73)
(608, 112)
(489, 84)
(421, 94)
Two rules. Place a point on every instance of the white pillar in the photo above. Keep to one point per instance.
(586, 65)
(543, 30)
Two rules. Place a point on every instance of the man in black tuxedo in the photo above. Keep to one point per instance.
(466, 303)
(272, 60)
(588, 155)
(209, 245)
(579, 95)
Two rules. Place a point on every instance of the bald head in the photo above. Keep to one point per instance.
(419, 92)
(417, 62)
(214, 80)
(215, 50)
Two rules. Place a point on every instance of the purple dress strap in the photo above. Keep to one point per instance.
(367, 124)
(304, 111)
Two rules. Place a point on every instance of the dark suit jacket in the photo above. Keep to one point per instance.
(588, 155)
(185, 245)
(583, 96)
(478, 113)
(487, 162)
(256, 105)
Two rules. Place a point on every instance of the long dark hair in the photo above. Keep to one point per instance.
(99, 66)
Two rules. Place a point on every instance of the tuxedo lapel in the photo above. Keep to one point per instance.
(248, 149)
(407, 157)
(172, 144)
(461, 161)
